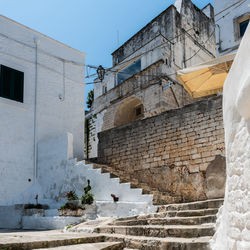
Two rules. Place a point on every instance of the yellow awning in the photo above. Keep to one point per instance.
(207, 78)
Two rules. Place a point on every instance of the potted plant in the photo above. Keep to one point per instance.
(87, 198)
(73, 205)
(79, 207)
(73, 198)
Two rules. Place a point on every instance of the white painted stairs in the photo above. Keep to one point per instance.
(131, 200)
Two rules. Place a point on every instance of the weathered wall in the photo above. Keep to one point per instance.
(54, 116)
(145, 86)
(170, 151)
(171, 41)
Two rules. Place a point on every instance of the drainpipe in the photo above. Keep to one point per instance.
(184, 63)
(62, 96)
(219, 36)
(36, 41)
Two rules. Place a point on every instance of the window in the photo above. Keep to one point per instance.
(129, 71)
(240, 25)
(104, 89)
(243, 27)
(11, 83)
(139, 110)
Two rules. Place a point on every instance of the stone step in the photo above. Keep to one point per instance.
(113, 175)
(215, 203)
(45, 239)
(183, 213)
(160, 231)
(92, 246)
(159, 198)
(169, 221)
(156, 243)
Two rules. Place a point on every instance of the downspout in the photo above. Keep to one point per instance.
(219, 35)
(62, 96)
(184, 63)
(35, 110)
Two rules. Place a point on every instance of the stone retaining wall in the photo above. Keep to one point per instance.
(169, 152)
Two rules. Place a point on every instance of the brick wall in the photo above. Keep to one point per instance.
(170, 151)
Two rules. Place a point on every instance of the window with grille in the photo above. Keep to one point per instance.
(11, 83)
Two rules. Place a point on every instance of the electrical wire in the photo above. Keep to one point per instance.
(173, 38)
(199, 48)
(240, 2)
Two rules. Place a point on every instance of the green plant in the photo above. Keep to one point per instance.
(71, 195)
(87, 198)
(69, 226)
(90, 98)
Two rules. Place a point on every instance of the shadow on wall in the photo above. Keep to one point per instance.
(130, 110)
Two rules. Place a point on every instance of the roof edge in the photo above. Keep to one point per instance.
(41, 34)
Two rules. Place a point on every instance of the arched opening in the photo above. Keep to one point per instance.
(130, 110)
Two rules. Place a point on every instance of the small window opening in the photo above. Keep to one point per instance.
(240, 25)
(11, 83)
(138, 111)
(243, 27)
(104, 89)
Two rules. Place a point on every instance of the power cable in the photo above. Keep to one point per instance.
(173, 38)
(240, 2)
(199, 48)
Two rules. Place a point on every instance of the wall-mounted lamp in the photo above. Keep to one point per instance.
(100, 72)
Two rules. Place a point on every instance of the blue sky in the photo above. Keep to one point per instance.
(88, 25)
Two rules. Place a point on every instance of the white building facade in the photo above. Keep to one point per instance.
(41, 97)
(232, 18)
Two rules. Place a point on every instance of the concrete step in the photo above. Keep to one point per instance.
(92, 246)
(215, 203)
(159, 198)
(18, 240)
(157, 243)
(169, 221)
(160, 231)
(189, 213)
(183, 213)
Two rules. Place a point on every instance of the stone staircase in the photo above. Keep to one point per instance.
(175, 226)
(159, 198)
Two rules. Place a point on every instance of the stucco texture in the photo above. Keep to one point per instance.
(233, 227)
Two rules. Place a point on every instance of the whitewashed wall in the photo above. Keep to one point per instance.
(233, 225)
(225, 33)
(54, 116)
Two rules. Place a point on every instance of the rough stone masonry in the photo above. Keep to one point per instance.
(170, 151)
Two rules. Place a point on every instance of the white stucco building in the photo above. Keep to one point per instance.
(232, 18)
(41, 97)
